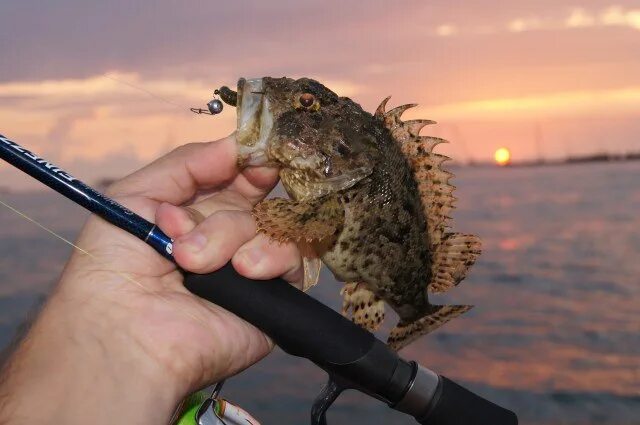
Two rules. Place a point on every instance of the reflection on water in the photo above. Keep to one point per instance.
(555, 334)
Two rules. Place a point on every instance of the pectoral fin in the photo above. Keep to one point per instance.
(287, 220)
(311, 225)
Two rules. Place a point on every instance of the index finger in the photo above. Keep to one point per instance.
(179, 175)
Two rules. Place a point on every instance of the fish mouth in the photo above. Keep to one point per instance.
(255, 122)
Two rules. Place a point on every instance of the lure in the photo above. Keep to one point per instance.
(203, 409)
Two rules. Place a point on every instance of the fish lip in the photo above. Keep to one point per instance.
(255, 122)
(240, 86)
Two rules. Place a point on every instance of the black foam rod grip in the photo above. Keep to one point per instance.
(456, 405)
(298, 323)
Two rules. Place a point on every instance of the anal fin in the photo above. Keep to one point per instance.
(363, 306)
(405, 333)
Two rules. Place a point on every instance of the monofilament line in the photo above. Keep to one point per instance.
(90, 255)
(150, 93)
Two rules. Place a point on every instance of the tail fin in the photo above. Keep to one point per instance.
(452, 259)
(404, 334)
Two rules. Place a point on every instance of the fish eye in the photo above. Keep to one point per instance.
(307, 100)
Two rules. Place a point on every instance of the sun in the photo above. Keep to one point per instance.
(502, 156)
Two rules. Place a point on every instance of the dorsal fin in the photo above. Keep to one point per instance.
(380, 110)
(436, 193)
(392, 117)
(433, 181)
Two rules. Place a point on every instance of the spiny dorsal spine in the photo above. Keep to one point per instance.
(451, 253)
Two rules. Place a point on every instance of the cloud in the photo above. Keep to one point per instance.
(446, 30)
(576, 18)
(573, 103)
(109, 85)
(476, 62)
(99, 116)
(612, 16)
(579, 18)
(103, 115)
(525, 24)
(75, 38)
(618, 16)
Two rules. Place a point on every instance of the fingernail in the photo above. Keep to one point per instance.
(251, 256)
(194, 242)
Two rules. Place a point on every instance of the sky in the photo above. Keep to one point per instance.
(103, 87)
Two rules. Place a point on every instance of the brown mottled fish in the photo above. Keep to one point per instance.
(368, 197)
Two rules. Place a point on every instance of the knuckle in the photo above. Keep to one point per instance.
(227, 219)
(225, 231)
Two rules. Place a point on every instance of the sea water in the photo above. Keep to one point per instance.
(555, 334)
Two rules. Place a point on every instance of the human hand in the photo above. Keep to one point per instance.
(121, 340)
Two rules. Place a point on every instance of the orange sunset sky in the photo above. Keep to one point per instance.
(492, 73)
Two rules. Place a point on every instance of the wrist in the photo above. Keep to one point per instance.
(76, 365)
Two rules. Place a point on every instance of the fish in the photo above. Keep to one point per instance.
(368, 198)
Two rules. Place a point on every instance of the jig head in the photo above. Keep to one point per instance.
(215, 105)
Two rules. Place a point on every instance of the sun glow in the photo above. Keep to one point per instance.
(502, 156)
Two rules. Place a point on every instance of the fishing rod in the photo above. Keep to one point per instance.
(299, 324)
